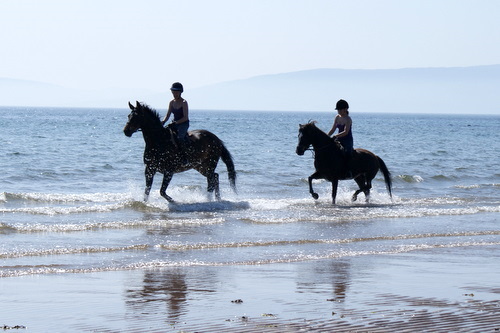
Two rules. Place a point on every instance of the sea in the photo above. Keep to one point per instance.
(71, 192)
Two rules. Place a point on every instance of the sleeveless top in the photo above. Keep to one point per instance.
(346, 141)
(348, 136)
(178, 113)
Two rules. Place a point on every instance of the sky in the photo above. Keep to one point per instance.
(148, 44)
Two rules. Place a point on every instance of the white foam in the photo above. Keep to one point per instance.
(65, 210)
(66, 197)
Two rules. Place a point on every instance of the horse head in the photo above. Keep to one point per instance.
(309, 135)
(305, 137)
(135, 119)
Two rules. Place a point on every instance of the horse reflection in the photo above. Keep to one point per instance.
(169, 288)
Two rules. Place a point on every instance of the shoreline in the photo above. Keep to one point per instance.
(439, 290)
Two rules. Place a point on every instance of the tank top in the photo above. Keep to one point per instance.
(346, 141)
(348, 136)
(178, 113)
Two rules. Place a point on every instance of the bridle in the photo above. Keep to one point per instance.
(321, 148)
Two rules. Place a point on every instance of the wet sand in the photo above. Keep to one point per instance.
(446, 289)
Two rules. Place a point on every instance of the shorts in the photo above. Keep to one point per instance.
(182, 130)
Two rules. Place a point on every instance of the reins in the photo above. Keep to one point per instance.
(321, 148)
(328, 145)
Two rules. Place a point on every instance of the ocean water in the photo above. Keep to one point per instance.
(71, 189)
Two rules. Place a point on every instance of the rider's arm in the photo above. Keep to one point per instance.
(169, 112)
(334, 127)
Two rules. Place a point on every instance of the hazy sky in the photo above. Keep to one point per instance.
(147, 44)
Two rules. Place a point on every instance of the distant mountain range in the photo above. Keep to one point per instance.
(471, 90)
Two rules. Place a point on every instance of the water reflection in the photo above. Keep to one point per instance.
(182, 293)
(340, 278)
(165, 286)
(333, 278)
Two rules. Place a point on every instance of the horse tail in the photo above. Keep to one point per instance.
(387, 176)
(228, 160)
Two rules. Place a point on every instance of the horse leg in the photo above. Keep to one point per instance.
(364, 186)
(212, 179)
(311, 177)
(367, 190)
(360, 180)
(167, 177)
(213, 185)
(335, 184)
(149, 173)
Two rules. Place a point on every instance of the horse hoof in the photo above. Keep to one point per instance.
(315, 196)
(169, 199)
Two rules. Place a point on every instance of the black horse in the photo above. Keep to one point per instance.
(329, 162)
(162, 151)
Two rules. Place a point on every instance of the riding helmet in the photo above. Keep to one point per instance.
(177, 86)
(341, 104)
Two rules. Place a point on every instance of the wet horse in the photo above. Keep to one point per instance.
(329, 162)
(162, 154)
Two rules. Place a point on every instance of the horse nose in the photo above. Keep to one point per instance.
(299, 151)
(127, 132)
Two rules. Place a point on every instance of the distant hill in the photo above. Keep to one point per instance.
(430, 90)
(471, 90)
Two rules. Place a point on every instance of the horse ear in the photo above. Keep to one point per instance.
(137, 104)
(130, 106)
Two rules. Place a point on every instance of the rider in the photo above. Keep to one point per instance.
(344, 124)
(179, 107)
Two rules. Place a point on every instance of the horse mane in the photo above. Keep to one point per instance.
(312, 124)
(149, 110)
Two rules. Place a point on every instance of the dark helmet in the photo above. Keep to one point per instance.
(341, 104)
(177, 86)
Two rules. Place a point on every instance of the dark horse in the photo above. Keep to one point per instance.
(162, 153)
(329, 160)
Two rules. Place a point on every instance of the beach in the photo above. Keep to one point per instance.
(80, 251)
(445, 289)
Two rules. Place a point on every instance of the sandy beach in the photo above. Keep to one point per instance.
(438, 290)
